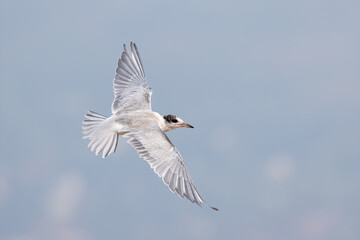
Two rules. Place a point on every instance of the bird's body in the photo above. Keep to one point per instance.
(133, 118)
(141, 119)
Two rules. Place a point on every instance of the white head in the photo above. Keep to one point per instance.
(172, 122)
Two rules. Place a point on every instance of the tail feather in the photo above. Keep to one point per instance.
(98, 130)
(110, 146)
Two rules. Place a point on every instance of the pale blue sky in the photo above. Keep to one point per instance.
(272, 88)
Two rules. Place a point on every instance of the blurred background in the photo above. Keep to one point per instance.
(272, 88)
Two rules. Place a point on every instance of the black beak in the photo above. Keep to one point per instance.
(185, 125)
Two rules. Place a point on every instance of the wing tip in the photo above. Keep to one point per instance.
(214, 208)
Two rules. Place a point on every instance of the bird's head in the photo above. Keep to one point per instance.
(172, 122)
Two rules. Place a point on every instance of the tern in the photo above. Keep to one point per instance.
(133, 118)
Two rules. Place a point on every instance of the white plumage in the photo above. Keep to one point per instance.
(133, 118)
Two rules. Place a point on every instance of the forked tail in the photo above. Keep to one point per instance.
(98, 130)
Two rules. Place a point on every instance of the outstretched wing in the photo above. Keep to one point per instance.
(131, 89)
(155, 147)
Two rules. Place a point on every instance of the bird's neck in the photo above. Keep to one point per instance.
(161, 121)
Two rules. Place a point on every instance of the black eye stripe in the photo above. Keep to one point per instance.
(170, 118)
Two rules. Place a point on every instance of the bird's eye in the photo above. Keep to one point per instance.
(174, 120)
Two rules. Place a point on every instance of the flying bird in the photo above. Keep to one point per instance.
(133, 118)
